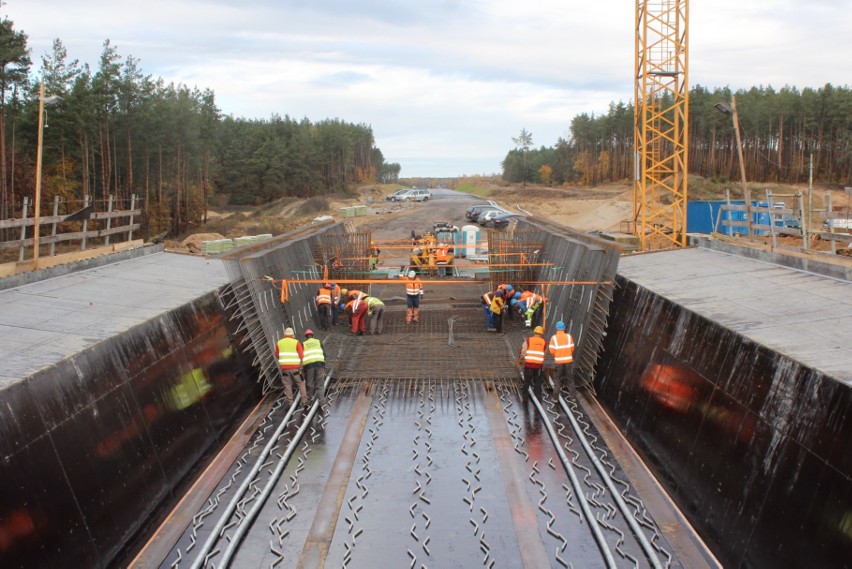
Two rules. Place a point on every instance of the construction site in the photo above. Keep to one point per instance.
(709, 429)
(707, 421)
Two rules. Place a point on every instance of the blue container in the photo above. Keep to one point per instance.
(702, 217)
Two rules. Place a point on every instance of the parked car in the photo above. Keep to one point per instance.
(470, 211)
(415, 195)
(478, 213)
(502, 220)
(394, 197)
(485, 216)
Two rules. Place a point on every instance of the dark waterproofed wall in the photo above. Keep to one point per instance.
(92, 446)
(754, 447)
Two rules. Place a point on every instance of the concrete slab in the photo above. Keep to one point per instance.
(44, 322)
(805, 316)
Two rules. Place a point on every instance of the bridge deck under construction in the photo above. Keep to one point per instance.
(426, 454)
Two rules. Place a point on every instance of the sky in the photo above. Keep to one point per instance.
(447, 84)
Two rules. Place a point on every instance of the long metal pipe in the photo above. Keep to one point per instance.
(260, 502)
(631, 521)
(593, 524)
(232, 505)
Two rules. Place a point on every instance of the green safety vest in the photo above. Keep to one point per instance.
(313, 351)
(287, 354)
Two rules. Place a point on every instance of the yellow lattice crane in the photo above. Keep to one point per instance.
(661, 96)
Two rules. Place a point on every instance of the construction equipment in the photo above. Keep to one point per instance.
(429, 253)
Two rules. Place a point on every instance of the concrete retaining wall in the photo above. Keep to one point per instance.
(94, 445)
(754, 447)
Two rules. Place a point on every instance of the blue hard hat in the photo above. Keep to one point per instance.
(518, 295)
(333, 285)
(513, 302)
(509, 288)
(499, 293)
(560, 325)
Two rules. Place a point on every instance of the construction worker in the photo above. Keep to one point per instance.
(485, 301)
(508, 294)
(374, 256)
(497, 306)
(413, 292)
(530, 305)
(375, 310)
(289, 353)
(313, 362)
(561, 346)
(323, 300)
(532, 356)
(441, 255)
(359, 311)
(335, 302)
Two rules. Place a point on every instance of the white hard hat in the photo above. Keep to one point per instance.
(411, 274)
(289, 332)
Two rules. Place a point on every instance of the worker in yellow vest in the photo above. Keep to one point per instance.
(289, 353)
(313, 363)
(561, 346)
(532, 356)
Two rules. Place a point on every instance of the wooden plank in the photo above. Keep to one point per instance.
(76, 235)
(48, 219)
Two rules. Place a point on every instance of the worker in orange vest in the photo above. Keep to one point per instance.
(323, 300)
(532, 356)
(336, 293)
(359, 311)
(561, 346)
(413, 292)
(441, 255)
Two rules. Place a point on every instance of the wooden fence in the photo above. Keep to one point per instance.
(93, 225)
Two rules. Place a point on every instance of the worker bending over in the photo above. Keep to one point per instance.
(375, 310)
(508, 294)
(358, 311)
(529, 305)
(561, 345)
(497, 306)
(336, 295)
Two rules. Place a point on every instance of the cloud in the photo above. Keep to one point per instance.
(445, 85)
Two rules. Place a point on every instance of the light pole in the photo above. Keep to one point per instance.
(42, 101)
(732, 110)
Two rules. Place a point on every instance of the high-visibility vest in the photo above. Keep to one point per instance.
(562, 347)
(335, 294)
(533, 299)
(441, 255)
(525, 295)
(413, 286)
(287, 353)
(497, 305)
(373, 301)
(535, 350)
(323, 296)
(313, 351)
(357, 297)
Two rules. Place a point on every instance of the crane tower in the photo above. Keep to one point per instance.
(661, 98)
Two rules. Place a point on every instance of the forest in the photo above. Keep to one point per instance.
(781, 132)
(117, 131)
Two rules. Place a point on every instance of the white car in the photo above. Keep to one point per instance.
(415, 195)
(487, 216)
(395, 197)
